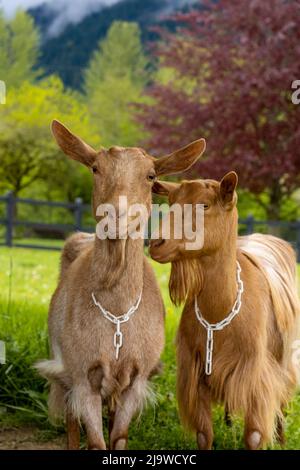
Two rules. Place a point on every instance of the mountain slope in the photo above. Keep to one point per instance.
(68, 54)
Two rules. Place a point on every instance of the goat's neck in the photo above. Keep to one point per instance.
(117, 271)
(219, 290)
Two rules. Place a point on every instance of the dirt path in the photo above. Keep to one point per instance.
(28, 438)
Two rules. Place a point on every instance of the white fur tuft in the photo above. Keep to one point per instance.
(50, 369)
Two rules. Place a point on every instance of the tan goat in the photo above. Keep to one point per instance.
(245, 360)
(84, 371)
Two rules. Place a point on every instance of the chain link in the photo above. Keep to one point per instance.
(118, 320)
(211, 327)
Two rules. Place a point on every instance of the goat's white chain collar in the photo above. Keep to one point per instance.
(211, 327)
(117, 320)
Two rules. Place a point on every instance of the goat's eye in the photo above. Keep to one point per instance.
(94, 169)
(204, 206)
(151, 177)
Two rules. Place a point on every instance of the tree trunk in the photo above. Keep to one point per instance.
(273, 209)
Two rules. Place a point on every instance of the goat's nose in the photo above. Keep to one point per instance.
(157, 243)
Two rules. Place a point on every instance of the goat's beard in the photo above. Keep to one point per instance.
(186, 280)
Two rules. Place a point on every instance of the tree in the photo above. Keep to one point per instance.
(114, 80)
(233, 64)
(28, 153)
(19, 47)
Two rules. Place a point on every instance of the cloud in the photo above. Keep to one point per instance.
(73, 11)
(10, 6)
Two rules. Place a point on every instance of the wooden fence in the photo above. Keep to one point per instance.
(10, 220)
(287, 230)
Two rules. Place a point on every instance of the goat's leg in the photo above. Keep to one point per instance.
(130, 403)
(252, 434)
(111, 420)
(93, 423)
(259, 423)
(280, 421)
(280, 431)
(73, 432)
(227, 417)
(263, 419)
(205, 435)
(198, 416)
(193, 395)
(87, 406)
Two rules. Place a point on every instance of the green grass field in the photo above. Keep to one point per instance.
(27, 280)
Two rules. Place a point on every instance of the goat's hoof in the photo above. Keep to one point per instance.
(202, 441)
(253, 441)
(96, 445)
(120, 444)
(97, 448)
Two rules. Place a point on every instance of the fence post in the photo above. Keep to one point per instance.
(78, 213)
(250, 224)
(298, 241)
(10, 203)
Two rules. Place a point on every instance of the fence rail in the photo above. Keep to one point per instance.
(77, 208)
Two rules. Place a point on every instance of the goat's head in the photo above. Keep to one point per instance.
(128, 172)
(218, 201)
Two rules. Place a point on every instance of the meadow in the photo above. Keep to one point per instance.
(27, 280)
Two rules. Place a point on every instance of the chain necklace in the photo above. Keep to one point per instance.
(211, 327)
(118, 336)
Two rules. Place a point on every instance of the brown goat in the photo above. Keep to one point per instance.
(84, 371)
(252, 370)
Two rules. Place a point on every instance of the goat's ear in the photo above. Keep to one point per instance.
(181, 160)
(228, 185)
(72, 145)
(164, 188)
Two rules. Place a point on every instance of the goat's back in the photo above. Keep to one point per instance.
(277, 259)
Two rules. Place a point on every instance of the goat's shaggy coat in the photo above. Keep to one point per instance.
(252, 370)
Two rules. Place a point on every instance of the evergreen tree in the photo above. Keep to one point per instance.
(19, 46)
(114, 82)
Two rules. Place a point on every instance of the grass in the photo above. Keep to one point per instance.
(27, 280)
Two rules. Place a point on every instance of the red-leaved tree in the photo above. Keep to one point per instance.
(233, 64)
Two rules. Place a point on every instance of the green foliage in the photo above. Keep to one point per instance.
(19, 49)
(255, 205)
(114, 81)
(31, 164)
(28, 152)
(119, 55)
(247, 205)
(69, 53)
(27, 280)
(30, 160)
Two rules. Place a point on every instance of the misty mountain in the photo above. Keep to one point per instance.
(68, 53)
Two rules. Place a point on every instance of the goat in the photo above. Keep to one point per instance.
(90, 367)
(247, 365)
